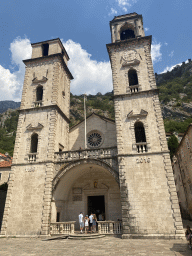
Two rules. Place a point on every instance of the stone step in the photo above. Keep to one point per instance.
(85, 236)
(56, 237)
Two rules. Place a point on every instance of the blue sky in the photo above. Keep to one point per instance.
(84, 29)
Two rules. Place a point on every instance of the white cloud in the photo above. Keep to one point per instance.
(146, 29)
(156, 52)
(171, 54)
(112, 12)
(166, 43)
(170, 68)
(12, 81)
(90, 76)
(124, 4)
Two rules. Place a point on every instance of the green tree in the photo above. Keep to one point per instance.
(173, 145)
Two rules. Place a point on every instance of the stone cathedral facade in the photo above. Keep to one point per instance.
(124, 173)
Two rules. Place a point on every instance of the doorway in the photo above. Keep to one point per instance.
(96, 204)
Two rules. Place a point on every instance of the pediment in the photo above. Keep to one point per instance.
(31, 127)
(93, 118)
(42, 80)
(142, 113)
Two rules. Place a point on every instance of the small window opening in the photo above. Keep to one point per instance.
(58, 216)
(45, 49)
(139, 132)
(39, 93)
(34, 143)
(127, 34)
(133, 79)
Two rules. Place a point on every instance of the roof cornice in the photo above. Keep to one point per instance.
(50, 57)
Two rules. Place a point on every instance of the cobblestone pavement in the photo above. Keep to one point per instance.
(102, 246)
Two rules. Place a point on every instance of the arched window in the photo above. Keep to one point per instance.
(39, 93)
(133, 79)
(127, 34)
(139, 132)
(34, 143)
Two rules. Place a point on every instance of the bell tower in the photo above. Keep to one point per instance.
(43, 128)
(148, 196)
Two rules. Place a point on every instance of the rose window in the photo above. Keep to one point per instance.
(94, 139)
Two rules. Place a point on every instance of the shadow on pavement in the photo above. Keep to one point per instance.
(182, 249)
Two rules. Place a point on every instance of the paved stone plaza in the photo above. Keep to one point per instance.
(102, 246)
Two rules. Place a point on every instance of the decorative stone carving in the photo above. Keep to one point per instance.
(31, 127)
(77, 197)
(130, 58)
(77, 190)
(43, 80)
(142, 113)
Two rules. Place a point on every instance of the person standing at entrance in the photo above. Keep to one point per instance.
(91, 222)
(94, 222)
(81, 222)
(86, 224)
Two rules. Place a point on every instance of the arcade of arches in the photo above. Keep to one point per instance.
(86, 188)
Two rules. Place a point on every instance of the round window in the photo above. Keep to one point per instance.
(94, 139)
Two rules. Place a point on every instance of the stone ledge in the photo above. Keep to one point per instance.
(153, 236)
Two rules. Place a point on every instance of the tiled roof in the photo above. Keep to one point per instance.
(5, 164)
(2, 155)
(6, 161)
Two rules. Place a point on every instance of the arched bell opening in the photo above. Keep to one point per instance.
(86, 187)
(127, 34)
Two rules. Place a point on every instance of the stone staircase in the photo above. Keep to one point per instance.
(76, 236)
(79, 236)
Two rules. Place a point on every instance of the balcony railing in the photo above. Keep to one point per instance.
(60, 228)
(85, 154)
(109, 227)
(134, 88)
(141, 147)
(38, 103)
(32, 157)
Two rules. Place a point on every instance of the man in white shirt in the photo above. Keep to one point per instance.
(91, 221)
(81, 222)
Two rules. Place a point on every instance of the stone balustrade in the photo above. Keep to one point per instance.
(109, 227)
(103, 153)
(141, 147)
(134, 88)
(38, 103)
(59, 228)
(32, 157)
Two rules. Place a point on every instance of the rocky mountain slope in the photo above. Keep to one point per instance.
(175, 93)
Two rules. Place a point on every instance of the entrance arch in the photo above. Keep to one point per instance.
(84, 186)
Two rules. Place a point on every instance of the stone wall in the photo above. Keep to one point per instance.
(94, 123)
(4, 174)
(56, 88)
(24, 203)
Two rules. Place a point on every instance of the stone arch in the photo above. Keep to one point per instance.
(132, 77)
(127, 31)
(39, 93)
(34, 143)
(66, 168)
